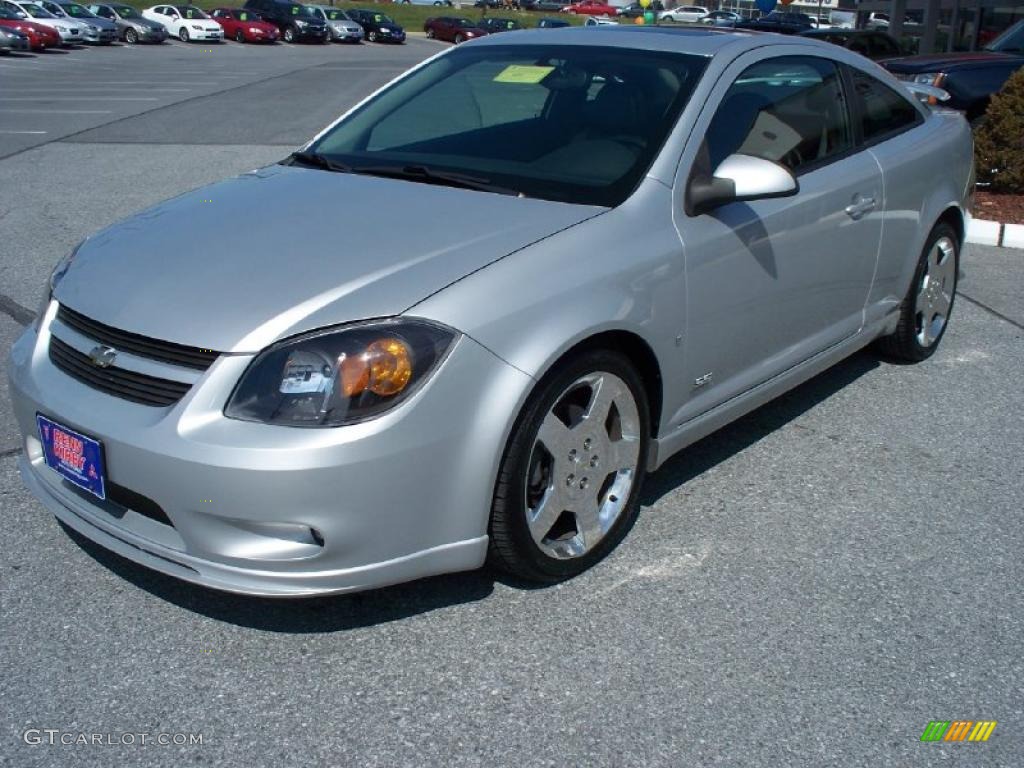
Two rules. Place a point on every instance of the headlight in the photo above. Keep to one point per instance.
(55, 277)
(927, 78)
(338, 377)
(197, 26)
(300, 23)
(255, 30)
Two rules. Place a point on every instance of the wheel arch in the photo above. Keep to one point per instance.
(639, 354)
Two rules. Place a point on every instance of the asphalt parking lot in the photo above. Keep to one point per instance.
(809, 587)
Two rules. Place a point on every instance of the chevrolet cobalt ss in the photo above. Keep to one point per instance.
(658, 231)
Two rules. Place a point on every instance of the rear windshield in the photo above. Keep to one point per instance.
(578, 124)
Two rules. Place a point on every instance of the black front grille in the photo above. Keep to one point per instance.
(143, 346)
(137, 387)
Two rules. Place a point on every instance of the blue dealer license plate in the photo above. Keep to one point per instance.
(75, 457)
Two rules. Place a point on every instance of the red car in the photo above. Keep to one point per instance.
(245, 26)
(452, 28)
(590, 8)
(39, 37)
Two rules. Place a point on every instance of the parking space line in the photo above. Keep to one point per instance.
(27, 133)
(60, 111)
(79, 98)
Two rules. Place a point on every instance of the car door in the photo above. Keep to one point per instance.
(773, 282)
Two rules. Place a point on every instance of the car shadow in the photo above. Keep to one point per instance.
(744, 432)
(338, 613)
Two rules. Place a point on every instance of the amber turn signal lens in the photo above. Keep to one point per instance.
(390, 362)
(354, 374)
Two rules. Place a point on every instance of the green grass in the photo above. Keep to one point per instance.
(410, 17)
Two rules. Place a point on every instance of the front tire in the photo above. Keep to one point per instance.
(459, 38)
(183, 34)
(430, 34)
(925, 311)
(289, 35)
(239, 36)
(372, 37)
(569, 481)
(131, 36)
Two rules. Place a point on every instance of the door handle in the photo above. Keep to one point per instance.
(859, 207)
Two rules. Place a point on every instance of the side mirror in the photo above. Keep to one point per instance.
(739, 177)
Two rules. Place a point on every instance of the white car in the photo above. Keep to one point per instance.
(599, 21)
(689, 13)
(70, 31)
(186, 22)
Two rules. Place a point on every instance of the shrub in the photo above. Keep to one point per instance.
(999, 140)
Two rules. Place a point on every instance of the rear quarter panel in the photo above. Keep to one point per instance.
(925, 172)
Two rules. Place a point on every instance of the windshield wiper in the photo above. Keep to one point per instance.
(317, 160)
(430, 176)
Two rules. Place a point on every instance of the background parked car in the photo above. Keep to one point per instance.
(867, 42)
(600, 21)
(132, 26)
(12, 40)
(96, 30)
(244, 26)
(722, 18)
(546, 6)
(186, 22)
(339, 26)
(378, 27)
(969, 78)
(70, 31)
(496, 24)
(634, 10)
(590, 8)
(548, 23)
(40, 37)
(684, 13)
(297, 23)
(452, 29)
(784, 23)
(436, 3)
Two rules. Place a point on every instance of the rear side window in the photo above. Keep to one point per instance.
(789, 110)
(883, 111)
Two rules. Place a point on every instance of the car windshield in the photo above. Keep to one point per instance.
(464, 23)
(6, 14)
(126, 12)
(249, 16)
(78, 11)
(337, 15)
(305, 10)
(578, 124)
(37, 12)
(380, 18)
(191, 12)
(1010, 41)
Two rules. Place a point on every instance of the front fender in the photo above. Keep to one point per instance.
(607, 273)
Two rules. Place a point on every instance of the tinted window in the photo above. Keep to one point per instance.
(883, 111)
(882, 47)
(789, 110)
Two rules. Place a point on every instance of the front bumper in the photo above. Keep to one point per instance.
(204, 34)
(152, 35)
(343, 35)
(17, 44)
(281, 511)
(70, 36)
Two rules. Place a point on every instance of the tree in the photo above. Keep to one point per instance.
(999, 140)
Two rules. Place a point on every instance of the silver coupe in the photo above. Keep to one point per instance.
(483, 304)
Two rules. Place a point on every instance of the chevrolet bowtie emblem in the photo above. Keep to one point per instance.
(103, 357)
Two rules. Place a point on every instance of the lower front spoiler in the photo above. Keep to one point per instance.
(457, 556)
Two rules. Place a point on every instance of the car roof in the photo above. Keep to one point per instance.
(701, 42)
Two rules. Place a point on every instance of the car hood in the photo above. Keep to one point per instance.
(934, 62)
(238, 264)
(144, 23)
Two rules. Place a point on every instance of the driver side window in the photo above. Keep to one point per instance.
(789, 110)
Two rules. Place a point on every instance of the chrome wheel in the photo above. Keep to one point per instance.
(935, 294)
(583, 465)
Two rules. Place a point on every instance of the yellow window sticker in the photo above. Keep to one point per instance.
(522, 73)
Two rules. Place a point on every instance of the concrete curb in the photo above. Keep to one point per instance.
(982, 232)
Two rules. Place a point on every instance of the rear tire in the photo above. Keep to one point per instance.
(568, 486)
(925, 311)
